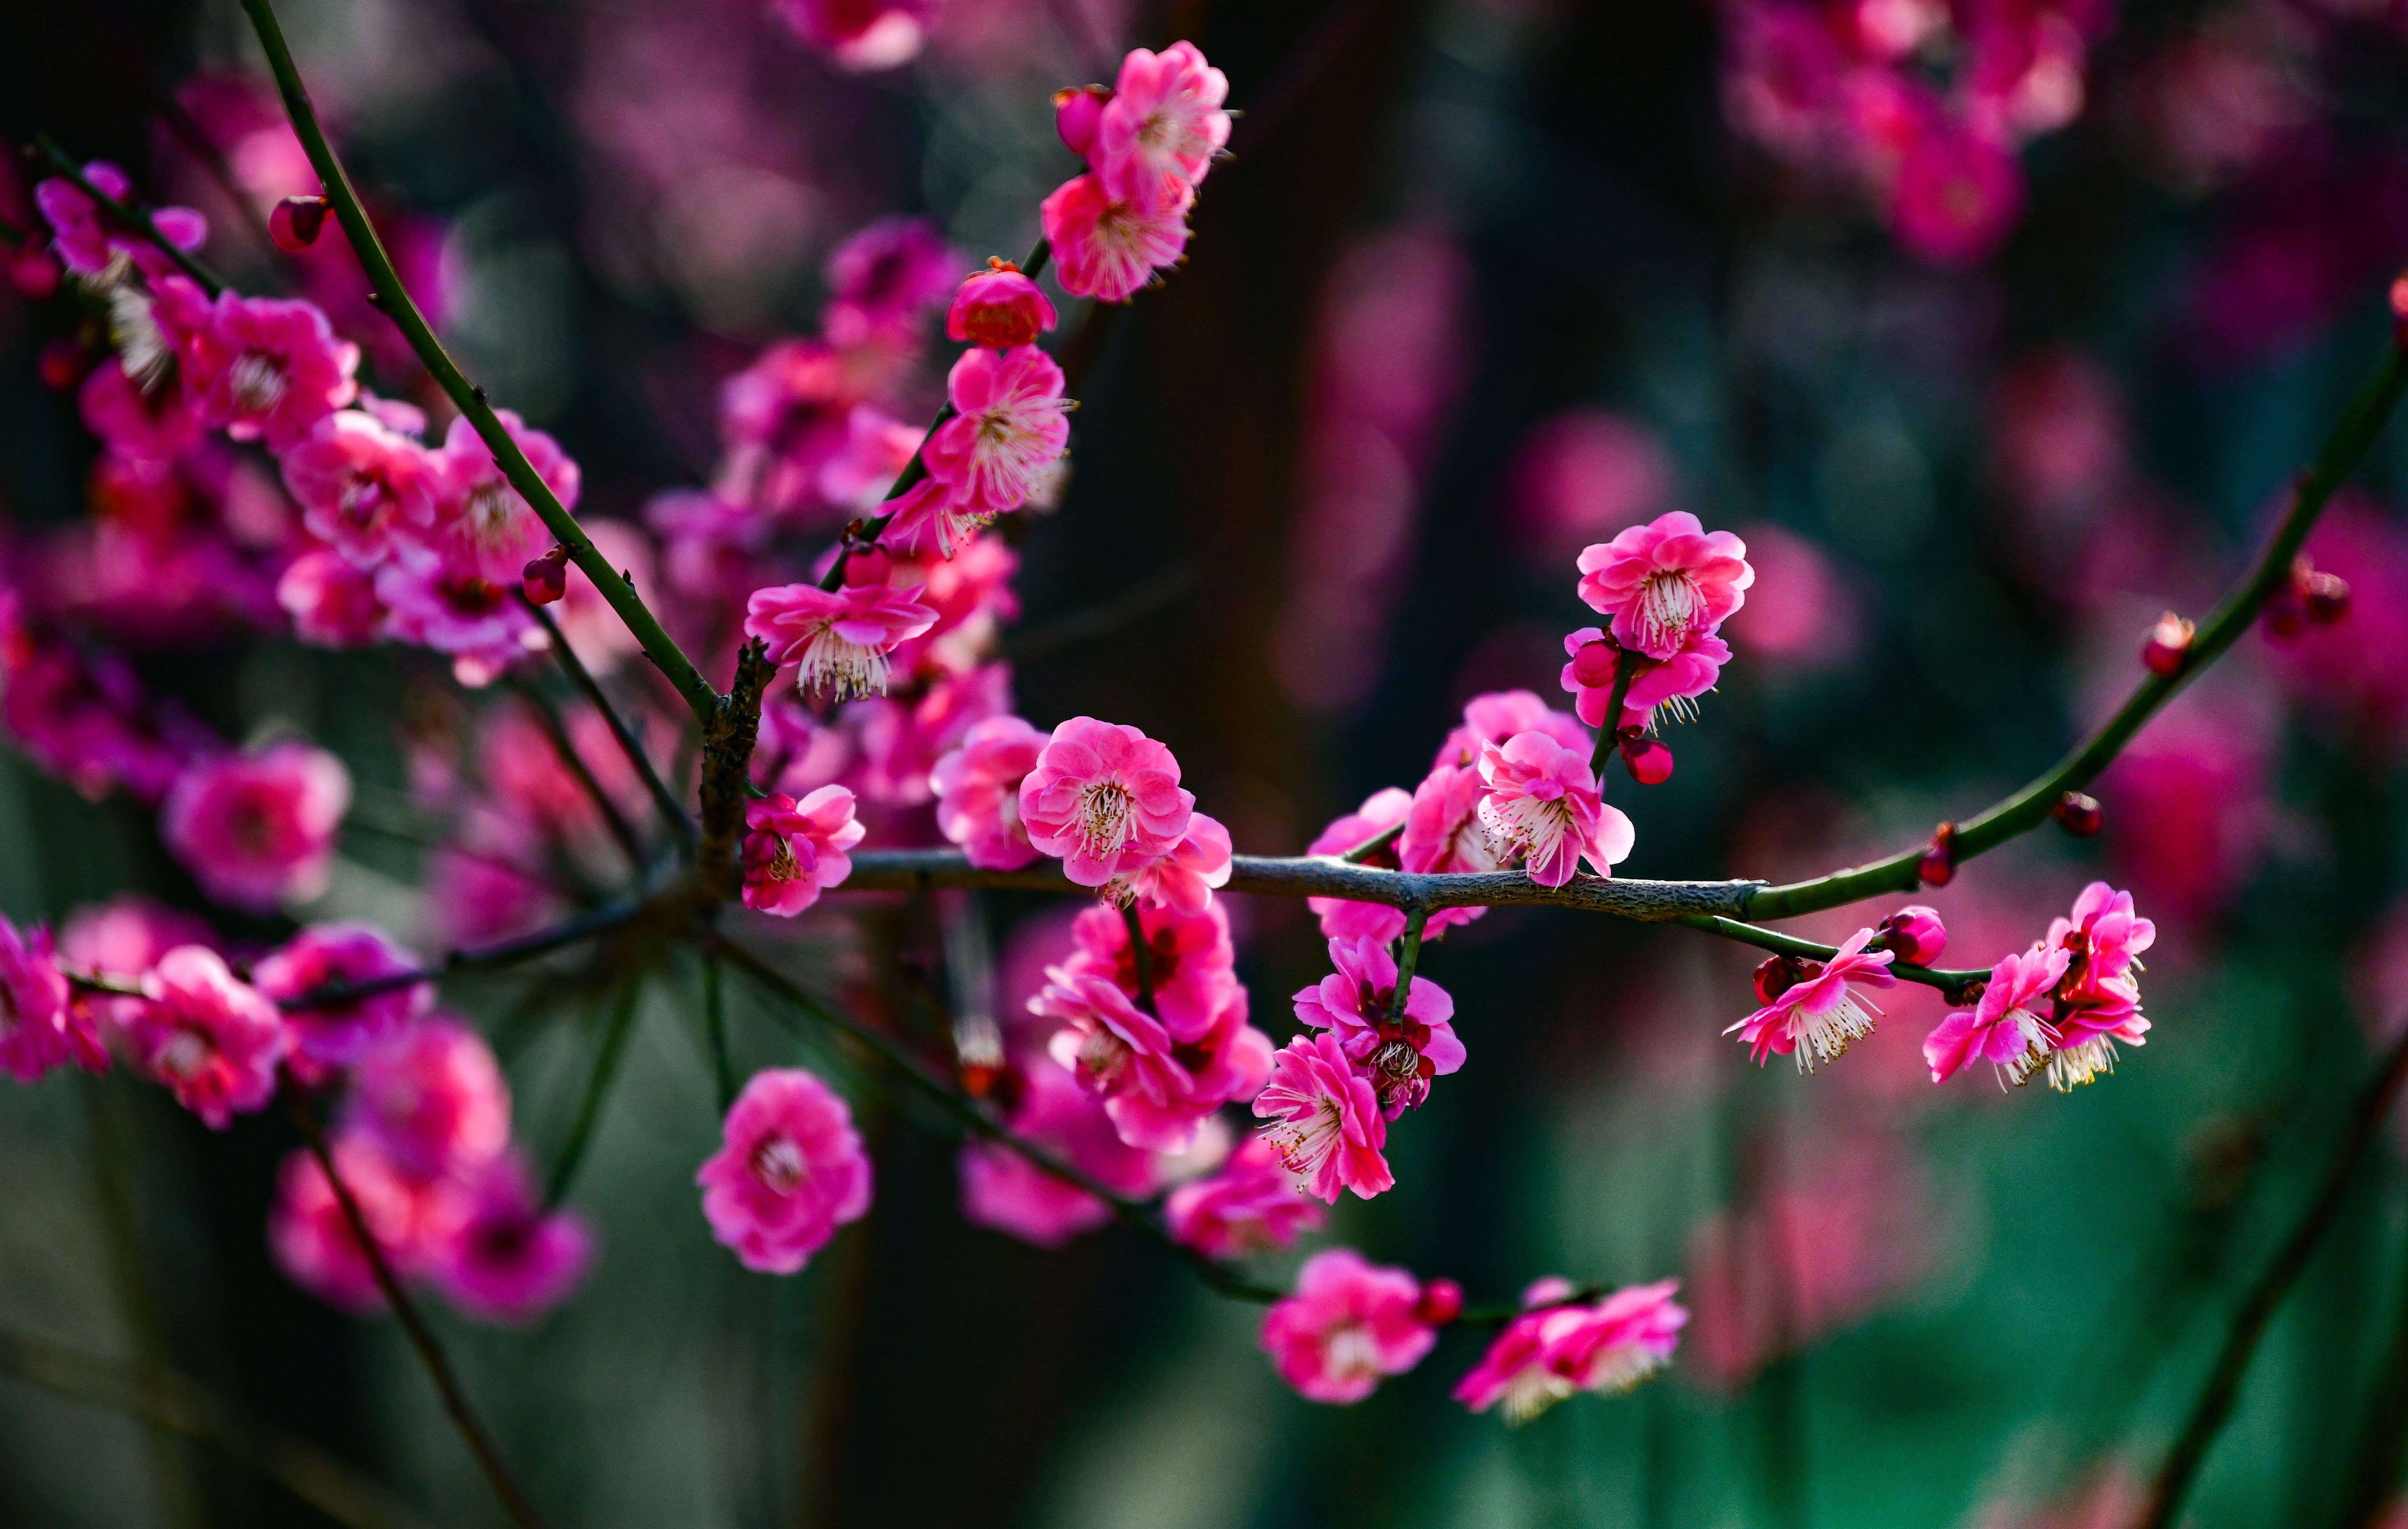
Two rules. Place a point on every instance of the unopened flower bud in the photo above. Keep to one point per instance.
(1914, 933)
(2168, 645)
(2400, 310)
(1442, 1301)
(546, 579)
(295, 222)
(2078, 814)
(1649, 761)
(998, 308)
(63, 362)
(1776, 975)
(34, 271)
(868, 565)
(1939, 862)
(1076, 112)
(2325, 597)
(1593, 665)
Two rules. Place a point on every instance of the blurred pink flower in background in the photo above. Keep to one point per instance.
(324, 955)
(1251, 1206)
(1801, 610)
(312, 1235)
(433, 1098)
(256, 829)
(1580, 475)
(1349, 1325)
(791, 1172)
(2188, 815)
(1003, 1191)
(2356, 669)
(507, 1258)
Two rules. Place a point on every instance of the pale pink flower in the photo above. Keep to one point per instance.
(483, 528)
(312, 1237)
(2009, 1027)
(268, 367)
(153, 425)
(1401, 1053)
(1010, 422)
(791, 1171)
(1349, 1324)
(1157, 136)
(1189, 959)
(213, 1040)
(1662, 581)
(842, 638)
(1105, 799)
(473, 620)
(1186, 876)
(1327, 1127)
(506, 1259)
(332, 601)
(1543, 801)
(1003, 1191)
(1342, 919)
(434, 1099)
(1251, 1206)
(797, 849)
(1494, 716)
(125, 937)
(977, 793)
(83, 242)
(1551, 1353)
(1000, 309)
(1819, 1016)
(39, 1028)
(1105, 248)
(324, 955)
(258, 829)
(360, 483)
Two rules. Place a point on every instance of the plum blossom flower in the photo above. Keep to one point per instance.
(1402, 1053)
(1494, 716)
(258, 829)
(998, 308)
(796, 851)
(1657, 690)
(82, 244)
(506, 1259)
(1105, 799)
(1662, 581)
(842, 637)
(1958, 195)
(1349, 1324)
(1010, 422)
(1820, 1014)
(1251, 1206)
(156, 424)
(977, 793)
(1327, 1122)
(1003, 1191)
(1186, 876)
(791, 1171)
(1443, 834)
(1554, 1351)
(39, 1028)
(332, 602)
(268, 367)
(1156, 1089)
(1105, 247)
(2099, 999)
(482, 527)
(326, 953)
(883, 278)
(1382, 810)
(2007, 1027)
(1543, 801)
(1157, 136)
(1190, 960)
(432, 1099)
(470, 617)
(360, 483)
(312, 1237)
(213, 1040)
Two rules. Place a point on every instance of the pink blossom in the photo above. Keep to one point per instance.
(901, 741)
(2099, 998)
(39, 1028)
(268, 367)
(1443, 835)
(213, 1040)
(1664, 580)
(876, 449)
(83, 244)
(1581, 472)
(1957, 196)
(797, 849)
(1005, 1192)
(1657, 690)
(1382, 810)
(1328, 1128)
(930, 521)
(791, 1172)
(506, 1259)
(1551, 1353)
(2007, 1027)
(1157, 136)
(155, 423)
(84, 716)
(842, 637)
(1156, 1089)
(1915, 934)
(323, 955)
(1494, 716)
(1820, 1015)
(312, 1237)
(1105, 799)
(258, 829)
(784, 417)
(125, 937)
(860, 34)
(432, 1099)
(1010, 422)
(1348, 1324)
(977, 793)
(1251, 1206)
(360, 484)
(998, 308)
(1543, 801)
(1189, 961)
(482, 527)
(472, 619)
(1401, 1053)
(1105, 248)
(1186, 878)
(332, 601)
(882, 278)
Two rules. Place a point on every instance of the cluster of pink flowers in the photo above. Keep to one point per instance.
(1921, 103)
(2061, 1007)
(1148, 140)
(1665, 589)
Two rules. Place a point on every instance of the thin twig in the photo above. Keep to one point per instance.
(1138, 954)
(1376, 843)
(133, 216)
(556, 729)
(1416, 919)
(672, 811)
(714, 1022)
(1955, 984)
(1609, 732)
(597, 1091)
(509, 952)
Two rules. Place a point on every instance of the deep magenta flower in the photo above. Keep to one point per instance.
(883, 278)
(1326, 1123)
(156, 424)
(2099, 998)
(1401, 1053)
(39, 1028)
(1494, 716)
(1915, 934)
(1186, 878)
(472, 619)
(1190, 960)
(1343, 920)
(1003, 1191)
(1543, 801)
(842, 638)
(1157, 136)
(1156, 1089)
(2009, 1027)
(1010, 422)
(1662, 581)
(323, 955)
(213, 1040)
(83, 243)
(268, 369)
(791, 1172)
(1251, 1206)
(258, 829)
(360, 483)
(797, 849)
(1957, 195)
(1349, 1324)
(432, 1099)
(505, 1259)
(1551, 1353)
(1105, 248)
(312, 1239)
(1000, 309)
(1819, 1016)
(483, 528)
(977, 793)
(1105, 800)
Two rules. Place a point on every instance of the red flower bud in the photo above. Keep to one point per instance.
(1442, 1301)
(1939, 862)
(868, 565)
(1076, 112)
(2077, 814)
(2168, 645)
(546, 579)
(34, 271)
(295, 222)
(2400, 310)
(1593, 665)
(63, 362)
(2325, 597)
(1776, 975)
(1913, 934)
(998, 308)
(1649, 762)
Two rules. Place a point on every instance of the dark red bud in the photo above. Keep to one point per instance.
(1649, 762)
(1593, 665)
(1442, 1301)
(34, 271)
(295, 222)
(1939, 862)
(2167, 647)
(2078, 814)
(2325, 598)
(868, 565)
(546, 579)
(1776, 975)
(63, 362)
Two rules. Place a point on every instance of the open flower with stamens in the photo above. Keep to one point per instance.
(1190, 962)
(790, 1172)
(360, 483)
(1185, 878)
(2099, 998)
(1326, 1123)
(1105, 799)
(1551, 1353)
(1665, 581)
(1820, 1015)
(1543, 801)
(2009, 1028)
(841, 638)
(1251, 1206)
(1340, 919)
(508, 1259)
(482, 527)
(1349, 1324)
(213, 1040)
(1402, 1052)
(268, 367)
(795, 850)
(326, 954)
(474, 619)
(1157, 134)
(977, 793)
(1010, 421)
(1156, 1089)
(1106, 247)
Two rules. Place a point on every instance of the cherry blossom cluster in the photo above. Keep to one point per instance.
(2058, 1007)
(1148, 140)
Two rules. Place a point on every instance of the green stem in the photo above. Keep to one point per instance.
(714, 1021)
(597, 1092)
(1140, 956)
(1608, 733)
(672, 813)
(1416, 918)
(1376, 843)
(1953, 983)
(131, 215)
(565, 747)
